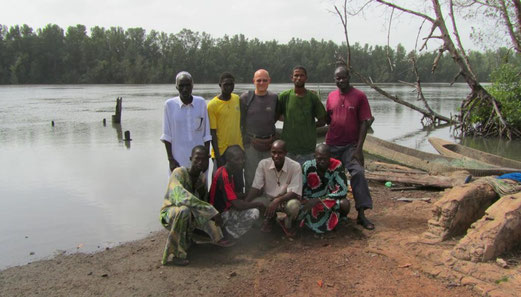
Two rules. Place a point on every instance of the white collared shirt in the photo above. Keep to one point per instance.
(276, 183)
(185, 126)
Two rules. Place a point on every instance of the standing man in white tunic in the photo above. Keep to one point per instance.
(185, 123)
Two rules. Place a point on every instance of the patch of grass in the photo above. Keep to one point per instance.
(501, 280)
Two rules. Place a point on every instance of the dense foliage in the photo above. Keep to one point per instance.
(506, 88)
(115, 55)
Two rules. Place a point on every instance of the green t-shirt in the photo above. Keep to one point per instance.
(299, 131)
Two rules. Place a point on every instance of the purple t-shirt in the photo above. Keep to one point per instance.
(347, 111)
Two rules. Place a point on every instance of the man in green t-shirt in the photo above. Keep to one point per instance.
(302, 113)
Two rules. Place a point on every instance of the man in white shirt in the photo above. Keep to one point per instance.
(185, 123)
(279, 180)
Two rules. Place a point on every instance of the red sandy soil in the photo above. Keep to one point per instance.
(389, 261)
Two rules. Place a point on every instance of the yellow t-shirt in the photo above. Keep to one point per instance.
(225, 117)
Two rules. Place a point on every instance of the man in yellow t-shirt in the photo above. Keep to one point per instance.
(225, 117)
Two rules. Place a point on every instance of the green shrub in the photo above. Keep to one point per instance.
(506, 88)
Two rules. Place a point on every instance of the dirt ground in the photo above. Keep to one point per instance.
(392, 260)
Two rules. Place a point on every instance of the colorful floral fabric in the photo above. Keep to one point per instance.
(330, 188)
(185, 209)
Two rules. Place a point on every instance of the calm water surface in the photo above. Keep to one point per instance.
(78, 187)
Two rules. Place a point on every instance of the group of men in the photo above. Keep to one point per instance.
(257, 177)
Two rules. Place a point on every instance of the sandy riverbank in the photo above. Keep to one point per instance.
(389, 261)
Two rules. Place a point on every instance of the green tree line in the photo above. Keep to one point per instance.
(51, 55)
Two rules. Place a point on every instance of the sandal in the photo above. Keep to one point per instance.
(225, 243)
(180, 262)
(365, 223)
(286, 231)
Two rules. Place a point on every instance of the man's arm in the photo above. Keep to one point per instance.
(270, 211)
(252, 194)
(171, 161)
(215, 145)
(166, 138)
(362, 133)
(242, 205)
(320, 112)
(207, 145)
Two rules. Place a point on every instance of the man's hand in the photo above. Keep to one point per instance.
(309, 204)
(218, 220)
(359, 156)
(260, 206)
(173, 164)
(270, 211)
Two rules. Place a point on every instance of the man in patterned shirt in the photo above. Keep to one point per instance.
(185, 208)
(324, 191)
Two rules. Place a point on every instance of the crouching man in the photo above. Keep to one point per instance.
(324, 191)
(278, 186)
(185, 208)
(238, 216)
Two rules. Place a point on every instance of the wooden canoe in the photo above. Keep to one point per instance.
(429, 162)
(454, 150)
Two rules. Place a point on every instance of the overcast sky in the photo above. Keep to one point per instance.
(264, 19)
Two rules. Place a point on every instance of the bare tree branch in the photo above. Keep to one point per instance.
(407, 10)
(388, 38)
(433, 28)
(343, 19)
(418, 35)
(510, 27)
(396, 99)
(458, 39)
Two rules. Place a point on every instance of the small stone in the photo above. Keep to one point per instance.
(31, 253)
(501, 263)
(233, 274)
(90, 273)
(104, 275)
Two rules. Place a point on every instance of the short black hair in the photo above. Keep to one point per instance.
(226, 75)
(199, 148)
(342, 66)
(298, 67)
(232, 149)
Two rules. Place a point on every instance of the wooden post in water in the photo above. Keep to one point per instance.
(127, 136)
(116, 118)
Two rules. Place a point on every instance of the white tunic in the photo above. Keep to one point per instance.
(185, 126)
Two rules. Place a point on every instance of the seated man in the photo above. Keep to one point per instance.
(185, 209)
(238, 215)
(280, 180)
(325, 191)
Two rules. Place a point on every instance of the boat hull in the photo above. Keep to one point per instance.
(454, 150)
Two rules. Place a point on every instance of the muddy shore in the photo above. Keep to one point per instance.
(351, 261)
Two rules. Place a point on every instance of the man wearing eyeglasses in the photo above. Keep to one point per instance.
(258, 117)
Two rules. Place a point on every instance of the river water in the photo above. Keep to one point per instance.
(78, 187)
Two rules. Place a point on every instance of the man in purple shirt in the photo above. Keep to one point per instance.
(349, 117)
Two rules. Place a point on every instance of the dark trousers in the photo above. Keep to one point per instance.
(359, 184)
